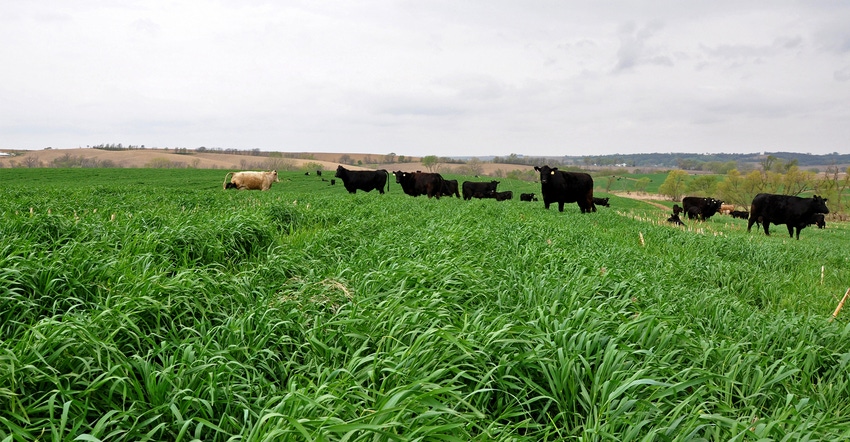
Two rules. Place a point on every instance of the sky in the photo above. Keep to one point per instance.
(428, 77)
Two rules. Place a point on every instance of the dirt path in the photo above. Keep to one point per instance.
(644, 197)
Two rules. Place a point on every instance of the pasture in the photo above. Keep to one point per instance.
(152, 305)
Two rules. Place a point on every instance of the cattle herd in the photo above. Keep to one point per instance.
(557, 186)
(793, 211)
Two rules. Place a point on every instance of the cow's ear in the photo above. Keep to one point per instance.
(554, 169)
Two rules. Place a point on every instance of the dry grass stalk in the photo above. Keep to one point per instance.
(840, 304)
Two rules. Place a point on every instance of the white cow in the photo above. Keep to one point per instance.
(250, 180)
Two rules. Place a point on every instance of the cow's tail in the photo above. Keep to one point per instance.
(388, 179)
(224, 184)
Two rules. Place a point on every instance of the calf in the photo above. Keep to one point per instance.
(527, 197)
(502, 196)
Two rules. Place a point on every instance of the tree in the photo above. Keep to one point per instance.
(390, 158)
(472, 167)
(345, 159)
(674, 185)
(732, 191)
(430, 162)
(796, 181)
(642, 184)
(835, 185)
(703, 185)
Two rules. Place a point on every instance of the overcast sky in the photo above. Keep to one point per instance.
(428, 77)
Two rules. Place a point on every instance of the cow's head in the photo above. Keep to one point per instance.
(274, 176)
(340, 172)
(819, 205)
(399, 175)
(546, 173)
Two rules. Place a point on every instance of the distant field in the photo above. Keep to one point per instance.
(151, 304)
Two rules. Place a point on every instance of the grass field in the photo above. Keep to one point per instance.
(153, 305)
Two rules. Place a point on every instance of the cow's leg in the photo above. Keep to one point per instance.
(750, 223)
(791, 231)
(765, 223)
(560, 206)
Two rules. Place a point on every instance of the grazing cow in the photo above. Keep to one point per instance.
(502, 196)
(527, 197)
(700, 208)
(333, 182)
(318, 172)
(250, 180)
(726, 209)
(450, 188)
(743, 214)
(420, 183)
(365, 180)
(566, 187)
(793, 211)
(473, 188)
(601, 202)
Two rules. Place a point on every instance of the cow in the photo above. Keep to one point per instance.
(818, 220)
(674, 218)
(484, 195)
(471, 188)
(506, 195)
(677, 210)
(601, 202)
(249, 180)
(793, 211)
(318, 172)
(365, 180)
(697, 207)
(420, 183)
(726, 209)
(566, 187)
(527, 197)
(743, 214)
(450, 188)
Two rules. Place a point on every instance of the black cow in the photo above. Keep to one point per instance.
(318, 172)
(793, 211)
(502, 196)
(743, 214)
(420, 183)
(677, 210)
(818, 220)
(472, 188)
(365, 180)
(566, 187)
(700, 208)
(601, 202)
(527, 197)
(450, 188)
(674, 218)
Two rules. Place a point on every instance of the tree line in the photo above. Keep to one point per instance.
(775, 176)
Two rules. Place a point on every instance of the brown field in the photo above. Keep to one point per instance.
(168, 158)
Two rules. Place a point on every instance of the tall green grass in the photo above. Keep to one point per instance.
(169, 311)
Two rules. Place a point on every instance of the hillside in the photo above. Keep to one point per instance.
(159, 158)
